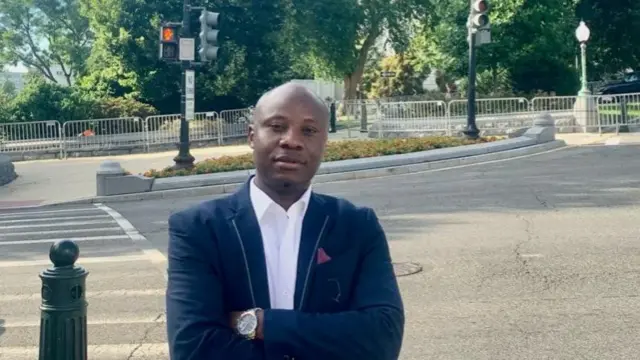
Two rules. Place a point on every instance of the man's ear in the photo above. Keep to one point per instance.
(251, 135)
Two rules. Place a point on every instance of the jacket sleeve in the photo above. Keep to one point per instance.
(373, 327)
(197, 325)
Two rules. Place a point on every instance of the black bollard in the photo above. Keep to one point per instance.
(332, 119)
(63, 318)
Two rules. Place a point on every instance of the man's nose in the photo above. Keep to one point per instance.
(292, 138)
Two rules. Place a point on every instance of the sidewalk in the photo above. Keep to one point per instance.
(50, 181)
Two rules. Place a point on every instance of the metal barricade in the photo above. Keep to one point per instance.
(234, 124)
(104, 134)
(411, 116)
(35, 136)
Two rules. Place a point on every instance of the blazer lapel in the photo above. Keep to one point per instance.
(247, 229)
(315, 226)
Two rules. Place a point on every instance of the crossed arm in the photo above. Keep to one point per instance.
(198, 328)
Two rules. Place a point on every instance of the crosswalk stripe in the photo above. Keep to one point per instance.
(87, 217)
(90, 321)
(81, 261)
(76, 239)
(90, 294)
(104, 352)
(145, 245)
(58, 224)
(44, 212)
(61, 231)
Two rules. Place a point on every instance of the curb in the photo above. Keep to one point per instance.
(333, 177)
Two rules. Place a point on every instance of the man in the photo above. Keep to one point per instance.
(276, 271)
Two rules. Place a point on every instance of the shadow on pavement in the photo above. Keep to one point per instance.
(1, 327)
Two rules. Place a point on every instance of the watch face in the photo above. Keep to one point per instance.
(247, 323)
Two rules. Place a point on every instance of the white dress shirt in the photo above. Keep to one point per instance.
(281, 231)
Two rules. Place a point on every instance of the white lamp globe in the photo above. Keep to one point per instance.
(583, 32)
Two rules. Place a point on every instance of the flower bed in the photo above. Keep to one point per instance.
(338, 150)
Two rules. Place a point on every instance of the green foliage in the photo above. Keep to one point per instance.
(338, 43)
(124, 107)
(45, 33)
(42, 100)
(110, 47)
(533, 44)
(338, 150)
(615, 26)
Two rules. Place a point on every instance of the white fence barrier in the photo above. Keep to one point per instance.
(571, 113)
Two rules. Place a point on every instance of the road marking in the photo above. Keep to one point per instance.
(531, 255)
(145, 245)
(77, 239)
(58, 224)
(46, 212)
(613, 141)
(90, 321)
(104, 352)
(61, 231)
(6, 222)
(90, 294)
(81, 261)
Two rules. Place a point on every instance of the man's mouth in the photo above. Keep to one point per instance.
(288, 160)
(288, 163)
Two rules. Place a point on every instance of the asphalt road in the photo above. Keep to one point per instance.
(523, 259)
(125, 285)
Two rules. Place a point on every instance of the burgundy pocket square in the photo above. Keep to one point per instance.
(322, 256)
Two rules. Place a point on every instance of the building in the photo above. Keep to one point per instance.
(17, 78)
(58, 75)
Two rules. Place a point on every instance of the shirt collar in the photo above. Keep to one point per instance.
(262, 202)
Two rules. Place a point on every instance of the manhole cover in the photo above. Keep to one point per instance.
(406, 268)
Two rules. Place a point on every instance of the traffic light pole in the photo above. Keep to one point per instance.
(184, 159)
(472, 130)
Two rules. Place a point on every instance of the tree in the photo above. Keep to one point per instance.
(336, 37)
(407, 79)
(42, 34)
(124, 61)
(533, 45)
(9, 89)
(614, 26)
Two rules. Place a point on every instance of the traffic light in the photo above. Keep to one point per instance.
(169, 43)
(208, 36)
(479, 17)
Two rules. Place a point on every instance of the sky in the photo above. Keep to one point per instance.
(19, 68)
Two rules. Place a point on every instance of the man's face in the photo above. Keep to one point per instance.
(288, 138)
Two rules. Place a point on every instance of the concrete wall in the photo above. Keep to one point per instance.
(7, 170)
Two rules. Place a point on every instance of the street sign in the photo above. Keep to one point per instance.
(483, 36)
(187, 49)
(190, 106)
(189, 94)
(388, 74)
(190, 84)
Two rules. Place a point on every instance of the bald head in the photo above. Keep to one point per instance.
(290, 93)
(288, 136)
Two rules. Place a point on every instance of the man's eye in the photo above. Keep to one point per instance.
(309, 131)
(277, 127)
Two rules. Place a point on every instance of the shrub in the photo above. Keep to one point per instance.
(124, 107)
(339, 150)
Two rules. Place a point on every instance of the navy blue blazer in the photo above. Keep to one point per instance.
(348, 307)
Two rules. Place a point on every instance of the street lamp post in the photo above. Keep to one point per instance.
(582, 34)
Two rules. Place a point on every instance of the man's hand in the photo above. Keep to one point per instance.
(233, 321)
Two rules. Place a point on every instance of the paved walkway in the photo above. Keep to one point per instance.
(50, 181)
